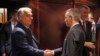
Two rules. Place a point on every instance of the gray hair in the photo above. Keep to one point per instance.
(22, 10)
(73, 12)
(83, 6)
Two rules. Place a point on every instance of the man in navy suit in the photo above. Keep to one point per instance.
(74, 40)
(6, 34)
(22, 39)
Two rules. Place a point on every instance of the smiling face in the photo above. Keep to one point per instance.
(84, 13)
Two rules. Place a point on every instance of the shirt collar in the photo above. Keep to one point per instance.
(74, 24)
(26, 27)
(81, 20)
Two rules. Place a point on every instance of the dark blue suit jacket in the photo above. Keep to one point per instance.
(24, 42)
(7, 39)
(1, 39)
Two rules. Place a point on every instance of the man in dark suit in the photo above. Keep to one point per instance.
(22, 39)
(74, 40)
(7, 30)
(98, 37)
(86, 26)
(1, 39)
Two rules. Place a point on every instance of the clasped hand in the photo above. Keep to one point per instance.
(48, 52)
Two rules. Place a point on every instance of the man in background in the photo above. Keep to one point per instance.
(7, 30)
(86, 26)
(98, 23)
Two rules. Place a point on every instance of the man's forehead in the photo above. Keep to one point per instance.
(66, 13)
(84, 9)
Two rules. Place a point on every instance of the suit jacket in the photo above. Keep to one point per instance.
(74, 42)
(7, 31)
(1, 39)
(58, 51)
(98, 25)
(88, 32)
(24, 42)
(88, 37)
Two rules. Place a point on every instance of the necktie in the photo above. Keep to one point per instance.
(84, 26)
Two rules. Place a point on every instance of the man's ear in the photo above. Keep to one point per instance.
(70, 18)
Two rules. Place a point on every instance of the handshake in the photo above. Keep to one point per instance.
(48, 52)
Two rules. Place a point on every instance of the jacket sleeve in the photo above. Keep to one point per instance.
(58, 51)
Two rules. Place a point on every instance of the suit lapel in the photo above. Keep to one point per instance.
(30, 37)
(9, 27)
(35, 39)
